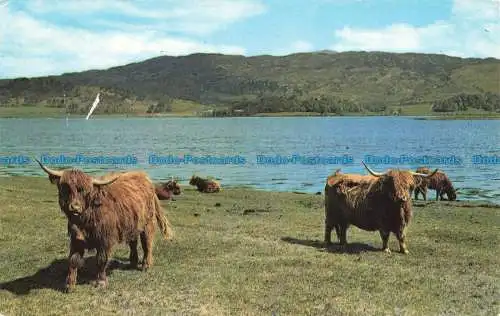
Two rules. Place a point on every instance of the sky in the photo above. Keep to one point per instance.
(51, 37)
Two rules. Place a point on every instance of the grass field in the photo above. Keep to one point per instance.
(31, 111)
(182, 108)
(248, 252)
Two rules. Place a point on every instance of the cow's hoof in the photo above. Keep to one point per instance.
(132, 266)
(405, 251)
(69, 288)
(386, 250)
(101, 284)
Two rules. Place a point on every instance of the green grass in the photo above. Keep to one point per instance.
(31, 111)
(257, 253)
(423, 109)
(183, 108)
(466, 115)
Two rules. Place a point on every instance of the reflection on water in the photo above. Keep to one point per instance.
(249, 137)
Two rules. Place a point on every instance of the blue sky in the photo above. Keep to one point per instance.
(44, 37)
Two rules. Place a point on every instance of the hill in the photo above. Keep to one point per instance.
(312, 82)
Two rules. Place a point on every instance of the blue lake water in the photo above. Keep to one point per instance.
(355, 137)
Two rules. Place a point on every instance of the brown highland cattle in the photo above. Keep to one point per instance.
(106, 211)
(204, 185)
(383, 204)
(439, 182)
(166, 190)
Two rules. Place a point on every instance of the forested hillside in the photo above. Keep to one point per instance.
(322, 82)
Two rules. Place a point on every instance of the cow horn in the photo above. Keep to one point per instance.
(104, 182)
(54, 173)
(373, 173)
(423, 174)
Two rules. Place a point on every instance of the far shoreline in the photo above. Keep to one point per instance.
(423, 117)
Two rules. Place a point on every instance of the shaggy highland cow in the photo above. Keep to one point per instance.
(383, 205)
(106, 211)
(204, 185)
(439, 182)
(166, 190)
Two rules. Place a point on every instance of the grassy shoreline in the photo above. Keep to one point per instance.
(249, 252)
(414, 111)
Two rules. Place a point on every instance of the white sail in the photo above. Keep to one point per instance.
(96, 102)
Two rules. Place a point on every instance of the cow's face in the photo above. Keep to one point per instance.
(176, 189)
(76, 189)
(451, 193)
(399, 184)
(173, 186)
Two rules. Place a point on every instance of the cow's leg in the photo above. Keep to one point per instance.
(401, 235)
(76, 253)
(438, 192)
(329, 224)
(103, 255)
(343, 234)
(417, 190)
(134, 256)
(385, 240)
(338, 231)
(424, 193)
(147, 246)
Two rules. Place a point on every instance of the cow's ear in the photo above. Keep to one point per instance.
(54, 179)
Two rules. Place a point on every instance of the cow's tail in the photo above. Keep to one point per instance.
(161, 219)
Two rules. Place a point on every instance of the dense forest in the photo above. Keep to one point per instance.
(462, 102)
(321, 82)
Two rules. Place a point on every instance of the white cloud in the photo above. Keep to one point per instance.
(32, 46)
(398, 37)
(472, 30)
(199, 17)
(476, 9)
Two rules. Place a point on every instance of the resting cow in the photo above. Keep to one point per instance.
(166, 190)
(439, 182)
(204, 185)
(106, 211)
(383, 204)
